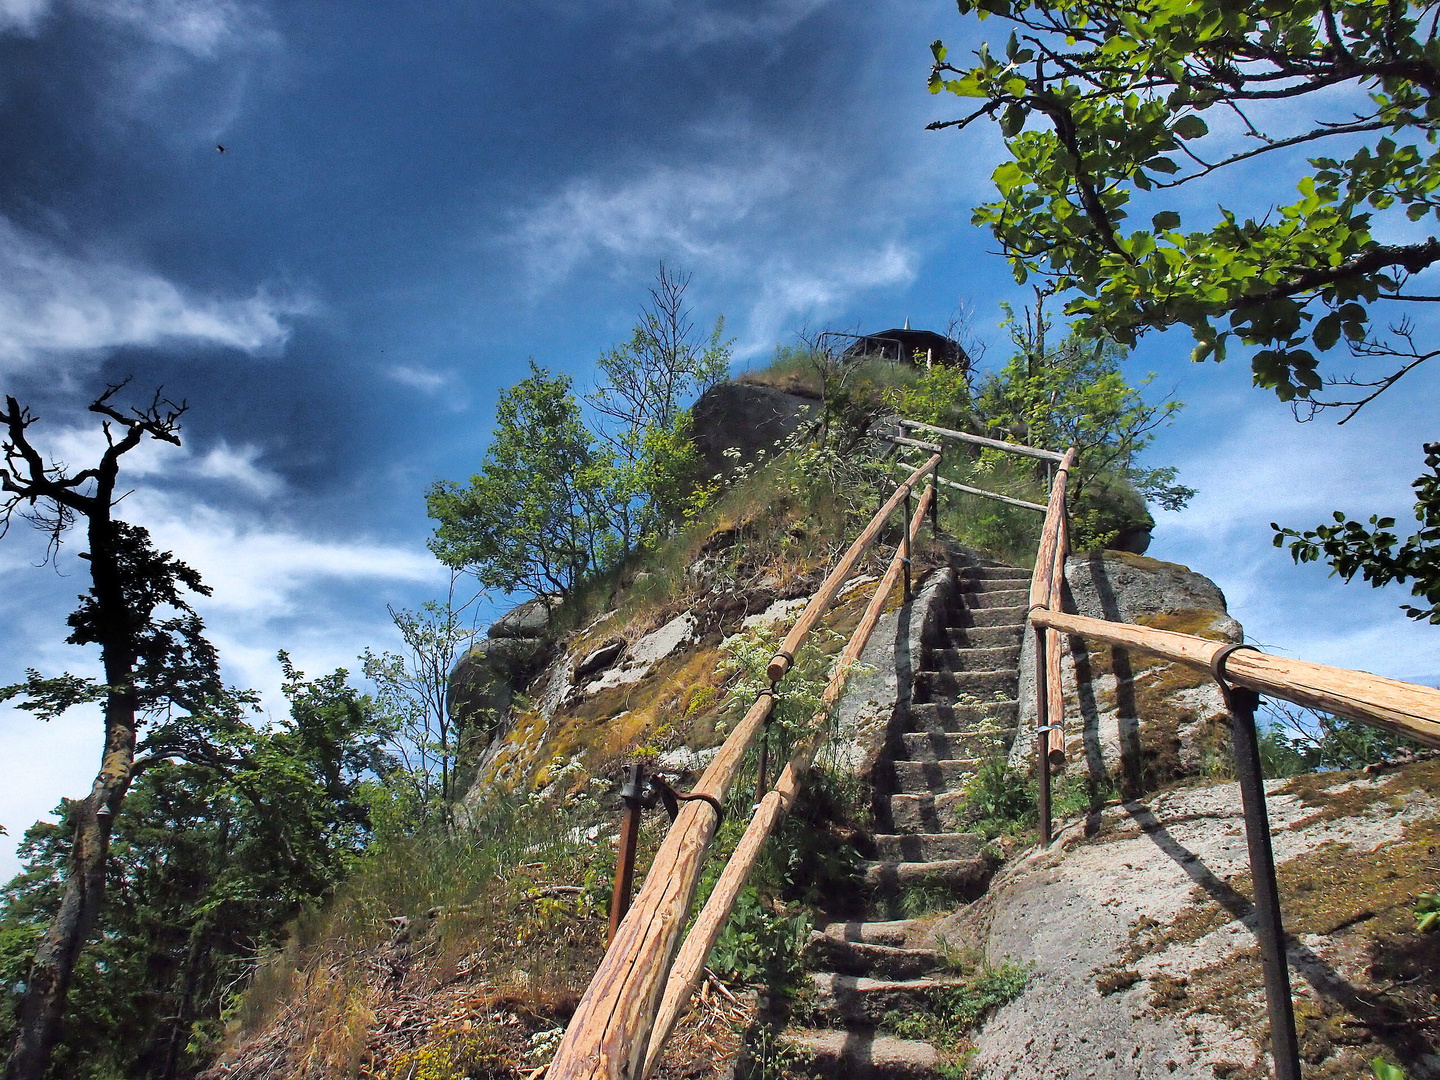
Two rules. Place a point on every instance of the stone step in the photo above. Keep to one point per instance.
(996, 598)
(990, 616)
(965, 878)
(919, 776)
(940, 718)
(952, 685)
(855, 999)
(977, 659)
(824, 953)
(926, 813)
(994, 573)
(859, 1053)
(873, 931)
(927, 847)
(983, 637)
(975, 742)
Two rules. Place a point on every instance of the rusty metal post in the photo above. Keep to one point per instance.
(905, 544)
(1042, 734)
(1284, 1046)
(632, 793)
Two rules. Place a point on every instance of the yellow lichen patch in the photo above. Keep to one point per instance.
(453, 1053)
(607, 725)
(1200, 622)
(1328, 887)
(1347, 794)
(1140, 562)
(1380, 979)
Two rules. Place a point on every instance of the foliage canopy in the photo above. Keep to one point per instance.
(1104, 104)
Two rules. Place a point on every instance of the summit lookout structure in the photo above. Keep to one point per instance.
(923, 348)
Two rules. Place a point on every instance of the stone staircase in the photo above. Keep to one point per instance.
(865, 971)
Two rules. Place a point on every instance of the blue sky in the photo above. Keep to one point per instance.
(415, 198)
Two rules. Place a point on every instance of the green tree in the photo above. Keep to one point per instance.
(645, 388)
(534, 517)
(209, 859)
(1099, 100)
(156, 662)
(1376, 553)
(413, 690)
(1073, 394)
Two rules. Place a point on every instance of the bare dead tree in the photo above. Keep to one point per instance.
(129, 581)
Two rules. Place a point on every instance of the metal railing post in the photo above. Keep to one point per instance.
(1269, 928)
(633, 793)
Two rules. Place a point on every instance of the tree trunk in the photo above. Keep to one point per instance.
(42, 1008)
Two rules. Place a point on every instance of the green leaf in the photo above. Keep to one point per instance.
(1383, 1070)
(938, 50)
(1327, 331)
(1012, 120)
(1190, 127)
(1166, 219)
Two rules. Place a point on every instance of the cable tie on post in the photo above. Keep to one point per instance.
(1049, 727)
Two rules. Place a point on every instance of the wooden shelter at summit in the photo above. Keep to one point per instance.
(906, 346)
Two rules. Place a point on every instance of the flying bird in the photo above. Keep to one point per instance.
(220, 148)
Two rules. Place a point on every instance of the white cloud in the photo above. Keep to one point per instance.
(766, 226)
(692, 212)
(691, 25)
(81, 447)
(22, 16)
(1261, 467)
(417, 378)
(789, 294)
(53, 302)
(262, 570)
(202, 28)
(238, 466)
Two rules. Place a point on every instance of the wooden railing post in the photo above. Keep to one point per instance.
(1042, 734)
(1043, 595)
(905, 546)
(1055, 704)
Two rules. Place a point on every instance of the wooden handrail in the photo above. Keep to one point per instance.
(1401, 707)
(607, 1036)
(685, 974)
(980, 440)
(820, 602)
(1042, 581)
(981, 491)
